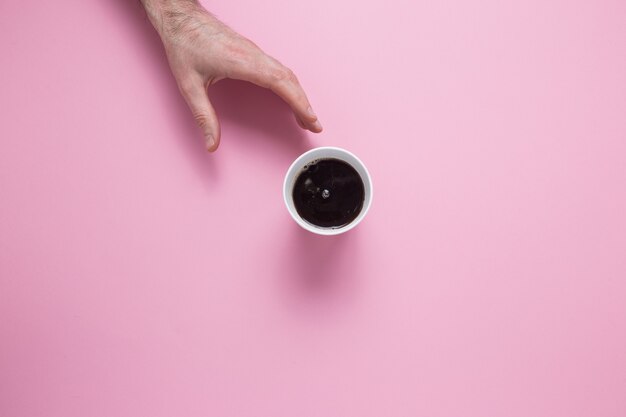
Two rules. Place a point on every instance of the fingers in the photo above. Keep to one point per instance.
(196, 96)
(282, 81)
(299, 122)
(285, 84)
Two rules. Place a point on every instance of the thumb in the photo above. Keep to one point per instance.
(196, 96)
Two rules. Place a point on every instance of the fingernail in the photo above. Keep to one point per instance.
(317, 125)
(210, 142)
(311, 112)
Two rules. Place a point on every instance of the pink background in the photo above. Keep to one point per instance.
(489, 278)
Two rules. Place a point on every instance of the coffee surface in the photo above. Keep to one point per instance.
(328, 193)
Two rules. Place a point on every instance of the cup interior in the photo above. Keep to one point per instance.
(326, 153)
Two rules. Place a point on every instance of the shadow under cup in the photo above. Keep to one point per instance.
(316, 156)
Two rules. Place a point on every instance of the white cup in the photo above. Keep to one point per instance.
(326, 153)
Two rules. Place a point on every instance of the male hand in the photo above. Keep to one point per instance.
(201, 50)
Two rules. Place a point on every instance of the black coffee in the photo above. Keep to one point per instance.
(328, 193)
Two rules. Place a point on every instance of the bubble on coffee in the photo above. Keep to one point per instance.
(328, 193)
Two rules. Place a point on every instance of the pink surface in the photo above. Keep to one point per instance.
(489, 278)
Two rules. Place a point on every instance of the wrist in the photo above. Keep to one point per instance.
(160, 11)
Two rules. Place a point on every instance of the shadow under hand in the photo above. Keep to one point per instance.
(256, 119)
(253, 118)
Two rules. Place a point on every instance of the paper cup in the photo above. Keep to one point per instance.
(326, 153)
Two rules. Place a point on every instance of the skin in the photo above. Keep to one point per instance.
(201, 50)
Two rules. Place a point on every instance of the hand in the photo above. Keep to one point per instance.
(201, 50)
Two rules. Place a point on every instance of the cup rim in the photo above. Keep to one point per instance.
(322, 230)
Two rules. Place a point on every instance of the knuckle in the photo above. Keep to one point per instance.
(201, 119)
(282, 74)
(291, 76)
